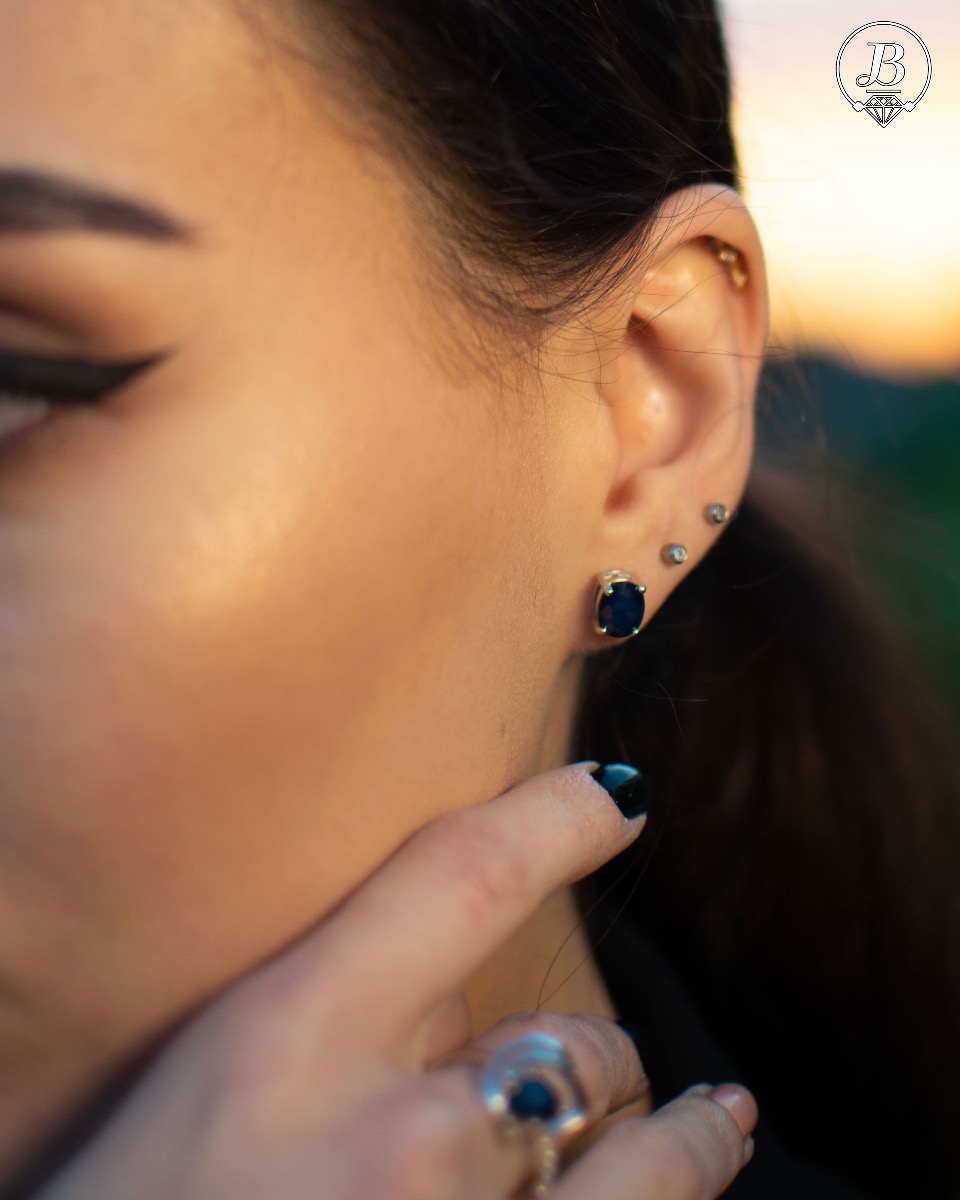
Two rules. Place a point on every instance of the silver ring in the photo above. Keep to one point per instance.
(531, 1085)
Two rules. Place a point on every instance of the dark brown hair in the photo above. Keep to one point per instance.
(799, 866)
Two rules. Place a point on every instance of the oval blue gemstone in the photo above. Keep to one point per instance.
(621, 613)
(533, 1099)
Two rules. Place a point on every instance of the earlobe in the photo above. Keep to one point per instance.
(619, 602)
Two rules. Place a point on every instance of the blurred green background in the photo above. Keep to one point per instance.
(882, 460)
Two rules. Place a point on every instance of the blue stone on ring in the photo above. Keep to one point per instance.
(533, 1099)
(620, 614)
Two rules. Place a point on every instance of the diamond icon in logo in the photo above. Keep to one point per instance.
(883, 108)
(880, 68)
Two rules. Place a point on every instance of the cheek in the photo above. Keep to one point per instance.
(241, 659)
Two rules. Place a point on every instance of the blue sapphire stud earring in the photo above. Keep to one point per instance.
(618, 605)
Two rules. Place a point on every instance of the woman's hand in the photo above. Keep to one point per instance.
(344, 1068)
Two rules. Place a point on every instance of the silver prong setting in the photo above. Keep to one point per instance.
(606, 582)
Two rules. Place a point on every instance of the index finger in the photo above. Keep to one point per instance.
(449, 896)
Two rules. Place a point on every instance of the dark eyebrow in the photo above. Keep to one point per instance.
(38, 202)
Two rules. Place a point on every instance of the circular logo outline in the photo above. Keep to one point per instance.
(910, 105)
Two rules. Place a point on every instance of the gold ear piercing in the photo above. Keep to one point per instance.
(732, 259)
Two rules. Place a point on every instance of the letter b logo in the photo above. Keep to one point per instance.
(899, 75)
(879, 49)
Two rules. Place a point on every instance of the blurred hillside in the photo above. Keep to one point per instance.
(882, 462)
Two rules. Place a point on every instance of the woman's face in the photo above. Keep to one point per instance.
(283, 597)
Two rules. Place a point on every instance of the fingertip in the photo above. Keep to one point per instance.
(739, 1103)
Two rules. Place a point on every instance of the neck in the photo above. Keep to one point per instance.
(548, 962)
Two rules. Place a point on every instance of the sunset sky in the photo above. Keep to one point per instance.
(860, 223)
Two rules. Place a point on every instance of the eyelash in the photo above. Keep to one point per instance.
(34, 389)
(63, 380)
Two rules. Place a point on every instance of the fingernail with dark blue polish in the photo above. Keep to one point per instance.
(626, 785)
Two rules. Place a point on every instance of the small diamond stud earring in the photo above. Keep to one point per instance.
(674, 553)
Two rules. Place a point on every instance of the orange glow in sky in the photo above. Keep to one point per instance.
(859, 222)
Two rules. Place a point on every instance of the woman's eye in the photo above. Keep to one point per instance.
(31, 387)
(17, 412)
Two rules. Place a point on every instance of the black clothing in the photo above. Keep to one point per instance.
(678, 1051)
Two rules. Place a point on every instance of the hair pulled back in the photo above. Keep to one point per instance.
(799, 869)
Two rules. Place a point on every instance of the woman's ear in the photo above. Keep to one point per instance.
(680, 357)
